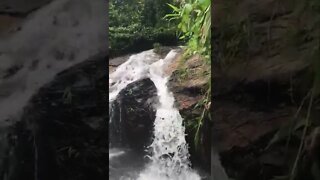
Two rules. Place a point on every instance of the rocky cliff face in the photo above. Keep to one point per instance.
(189, 82)
(263, 55)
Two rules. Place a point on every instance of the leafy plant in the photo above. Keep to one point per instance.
(141, 24)
(206, 105)
(194, 18)
(194, 25)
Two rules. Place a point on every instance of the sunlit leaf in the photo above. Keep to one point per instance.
(173, 7)
(188, 8)
(204, 3)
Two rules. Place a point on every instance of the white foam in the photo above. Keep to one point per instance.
(136, 68)
(76, 35)
(113, 153)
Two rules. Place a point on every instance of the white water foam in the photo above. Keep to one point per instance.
(115, 153)
(52, 39)
(169, 151)
(136, 68)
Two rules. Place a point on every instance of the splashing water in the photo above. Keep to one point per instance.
(134, 69)
(169, 150)
(60, 40)
(115, 153)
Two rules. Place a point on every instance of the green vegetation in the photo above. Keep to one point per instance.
(194, 17)
(140, 27)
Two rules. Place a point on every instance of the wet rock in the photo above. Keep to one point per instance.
(20, 7)
(63, 130)
(20, 47)
(12, 71)
(7, 22)
(34, 64)
(188, 92)
(135, 106)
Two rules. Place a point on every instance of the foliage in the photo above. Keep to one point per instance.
(142, 24)
(194, 25)
(154, 11)
(119, 19)
(206, 105)
(124, 38)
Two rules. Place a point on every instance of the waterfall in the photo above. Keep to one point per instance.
(134, 69)
(168, 153)
(42, 52)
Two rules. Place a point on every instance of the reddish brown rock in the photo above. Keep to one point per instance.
(239, 126)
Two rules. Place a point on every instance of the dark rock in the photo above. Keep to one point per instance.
(59, 140)
(136, 114)
(258, 89)
(21, 7)
(34, 64)
(58, 54)
(12, 71)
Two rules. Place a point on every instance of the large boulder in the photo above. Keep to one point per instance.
(134, 111)
(63, 131)
(189, 89)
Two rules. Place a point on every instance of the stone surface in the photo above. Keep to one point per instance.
(262, 70)
(189, 89)
(7, 23)
(135, 110)
(31, 57)
(63, 130)
(21, 7)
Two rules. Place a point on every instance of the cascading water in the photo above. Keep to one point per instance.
(49, 41)
(41, 53)
(134, 69)
(169, 151)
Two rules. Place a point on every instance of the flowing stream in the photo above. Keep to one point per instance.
(168, 153)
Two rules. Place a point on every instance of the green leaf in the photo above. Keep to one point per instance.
(171, 15)
(188, 8)
(173, 7)
(184, 28)
(204, 3)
